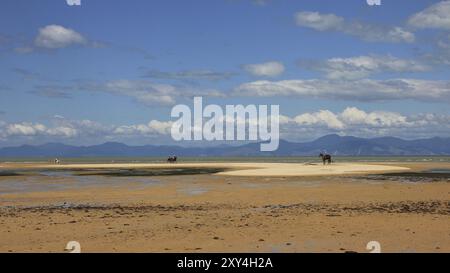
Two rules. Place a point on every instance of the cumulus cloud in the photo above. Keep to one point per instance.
(83, 132)
(52, 37)
(68, 128)
(436, 16)
(24, 129)
(352, 116)
(363, 66)
(153, 127)
(357, 90)
(349, 121)
(268, 69)
(367, 32)
(56, 36)
(323, 117)
(62, 129)
(318, 21)
(357, 122)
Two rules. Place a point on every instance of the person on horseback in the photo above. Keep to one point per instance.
(172, 159)
(325, 158)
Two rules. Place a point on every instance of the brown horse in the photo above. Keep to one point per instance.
(325, 158)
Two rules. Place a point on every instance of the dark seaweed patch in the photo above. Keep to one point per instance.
(9, 173)
(420, 175)
(410, 176)
(154, 172)
(436, 207)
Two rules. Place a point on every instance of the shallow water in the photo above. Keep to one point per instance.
(60, 181)
(26, 181)
(193, 190)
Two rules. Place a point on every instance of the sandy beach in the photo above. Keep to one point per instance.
(229, 169)
(233, 207)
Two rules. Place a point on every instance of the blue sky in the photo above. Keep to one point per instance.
(103, 71)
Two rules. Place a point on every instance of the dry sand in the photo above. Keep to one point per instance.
(273, 212)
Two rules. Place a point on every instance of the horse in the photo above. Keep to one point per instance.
(172, 159)
(325, 158)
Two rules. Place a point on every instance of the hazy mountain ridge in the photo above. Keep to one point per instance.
(334, 144)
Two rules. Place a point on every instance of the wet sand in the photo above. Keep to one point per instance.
(330, 212)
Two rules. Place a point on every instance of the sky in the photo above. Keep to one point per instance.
(112, 70)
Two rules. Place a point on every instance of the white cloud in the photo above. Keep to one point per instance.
(436, 16)
(356, 122)
(154, 127)
(24, 129)
(142, 91)
(268, 69)
(161, 127)
(62, 128)
(367, 32)
(149, 93)
(323, 117)
(82, 132)
(357, 90)
(349, 121)
(318, 21)
(363, 66)
(55, 36)
(353, 117)
(62, 131)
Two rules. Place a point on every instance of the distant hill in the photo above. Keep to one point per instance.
(334, 144)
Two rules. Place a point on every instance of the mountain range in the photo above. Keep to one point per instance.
(333, 144)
